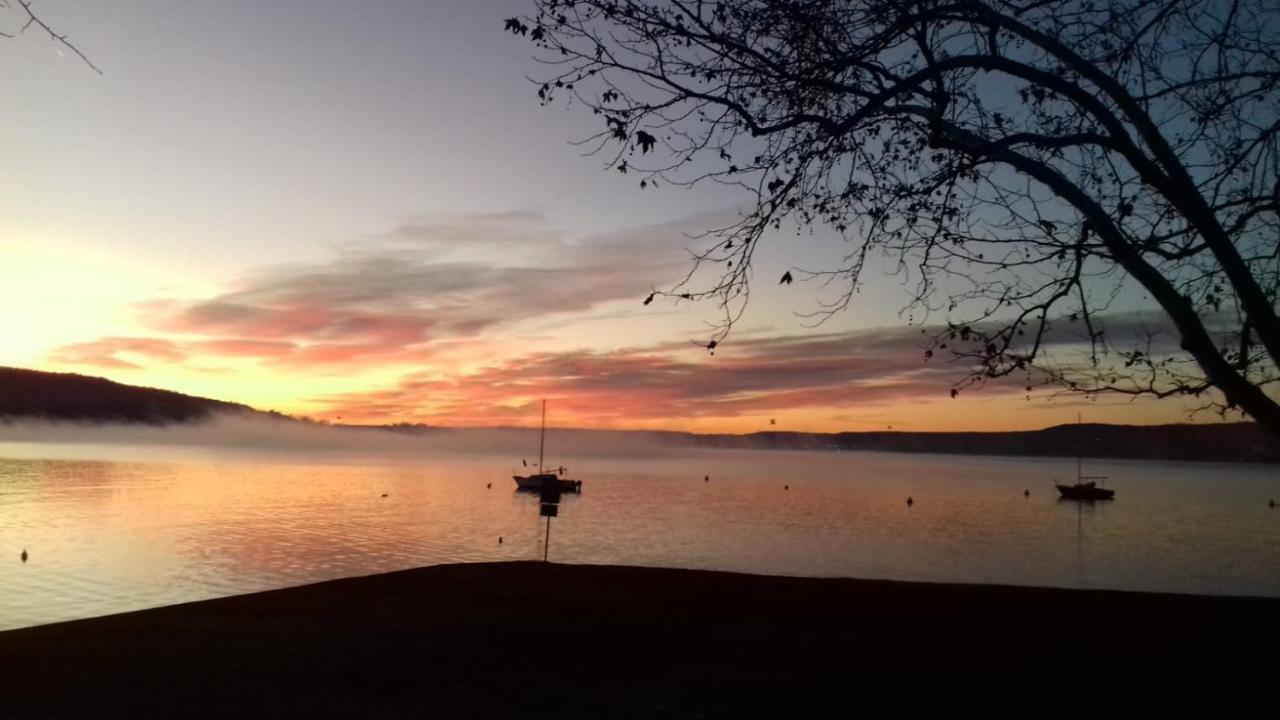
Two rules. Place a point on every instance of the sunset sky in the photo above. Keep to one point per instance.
(362, 213)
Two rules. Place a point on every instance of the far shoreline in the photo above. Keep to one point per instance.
(1230, 444)
(72, 401)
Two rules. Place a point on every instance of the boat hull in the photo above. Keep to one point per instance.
(1085, 491)
(534, 483)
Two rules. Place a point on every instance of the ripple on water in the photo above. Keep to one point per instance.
(114, 536)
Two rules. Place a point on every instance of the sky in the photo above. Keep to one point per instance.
(359, 212)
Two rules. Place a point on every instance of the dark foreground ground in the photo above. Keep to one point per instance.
(520, 640)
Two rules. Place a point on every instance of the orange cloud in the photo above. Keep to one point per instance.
(440, 291)
(104, 352)
(632, 387)
(390, 300)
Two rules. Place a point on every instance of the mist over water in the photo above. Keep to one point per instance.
(123, 518)
(253, 434)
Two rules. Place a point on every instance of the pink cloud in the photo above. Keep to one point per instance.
(104, 351)
(875, 368)
(392, 299)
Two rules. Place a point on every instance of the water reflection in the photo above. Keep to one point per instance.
(1079, 507)
(112, 536)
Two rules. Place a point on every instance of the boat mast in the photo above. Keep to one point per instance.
(542, 440)
(1080, 476)
(1079, 452)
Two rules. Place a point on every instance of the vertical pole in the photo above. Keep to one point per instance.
(1079, 451)
(1079, 541)
(542, 440)
(546, 545)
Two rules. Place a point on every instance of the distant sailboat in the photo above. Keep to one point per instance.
(535, 481)
(1082, 490)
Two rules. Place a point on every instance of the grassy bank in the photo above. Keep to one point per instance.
(532, 640)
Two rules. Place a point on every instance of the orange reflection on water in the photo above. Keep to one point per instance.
(108, 536)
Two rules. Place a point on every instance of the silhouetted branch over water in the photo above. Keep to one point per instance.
(1025, 168)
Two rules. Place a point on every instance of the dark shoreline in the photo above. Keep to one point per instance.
(32, 395)
(1233, 443)
(534, 640)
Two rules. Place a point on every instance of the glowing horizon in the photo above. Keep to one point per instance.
(369, 238)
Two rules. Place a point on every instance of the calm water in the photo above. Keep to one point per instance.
(109, 535)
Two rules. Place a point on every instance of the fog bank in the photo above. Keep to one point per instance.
(233, 432)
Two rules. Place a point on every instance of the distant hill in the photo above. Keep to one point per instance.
(57, 396)
(1225, 442)
(28, 394)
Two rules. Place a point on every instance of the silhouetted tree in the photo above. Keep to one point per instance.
(1019, 162)
(29, 20)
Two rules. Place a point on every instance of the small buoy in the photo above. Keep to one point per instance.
(910, 502)
(489, 485)
(1026, 493)
(499, 539)
(24, 555)
(384, 494)
(706, 478)
(786, 487)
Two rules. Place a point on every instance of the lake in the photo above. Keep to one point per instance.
(113, 527)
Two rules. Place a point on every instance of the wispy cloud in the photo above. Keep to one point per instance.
(869, 373)
(391, 298)
(763, 375)
(433, 290)
(105, 352)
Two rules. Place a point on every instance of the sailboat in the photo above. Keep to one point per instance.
(1085, 489)
(535, 481)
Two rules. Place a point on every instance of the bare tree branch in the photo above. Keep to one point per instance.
(1023, 165)
(33, 20)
